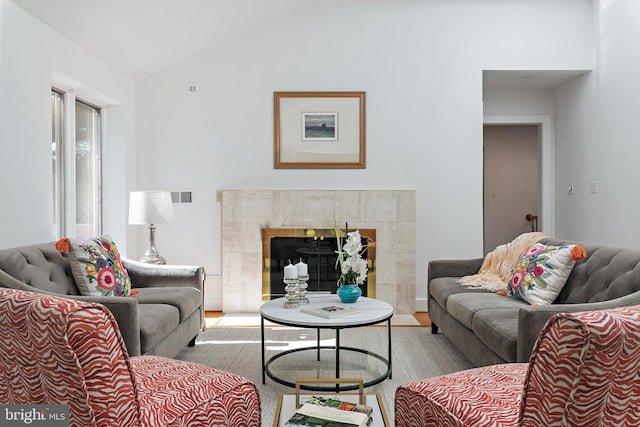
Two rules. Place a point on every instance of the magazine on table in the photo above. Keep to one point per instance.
(340, 404)
(314, 415)
(330, 311)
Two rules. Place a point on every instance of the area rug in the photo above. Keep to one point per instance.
(416, 354)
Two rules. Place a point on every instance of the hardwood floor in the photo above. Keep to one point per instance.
(213, 314)
(423, 318)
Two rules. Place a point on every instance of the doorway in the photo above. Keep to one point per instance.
(512, 193)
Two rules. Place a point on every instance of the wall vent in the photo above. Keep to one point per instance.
(181, 197)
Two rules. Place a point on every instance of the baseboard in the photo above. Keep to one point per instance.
(212, 304)
(421, 304)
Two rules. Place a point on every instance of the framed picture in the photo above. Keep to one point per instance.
(319, 130)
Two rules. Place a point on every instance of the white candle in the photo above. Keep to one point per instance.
(290, 272)
(303, 269)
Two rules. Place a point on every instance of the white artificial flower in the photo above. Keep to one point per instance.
(353, 267)
(353, 246)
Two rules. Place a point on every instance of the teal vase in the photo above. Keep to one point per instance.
(349, 293)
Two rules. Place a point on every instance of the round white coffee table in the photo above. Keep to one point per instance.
(370, 312)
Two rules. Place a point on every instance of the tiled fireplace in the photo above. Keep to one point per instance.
(245, 213)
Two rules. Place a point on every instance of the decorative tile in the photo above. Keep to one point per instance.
(406, 238)
(381, 206)
(257, 206)
(232, 301)
(385, 268)
(405, 269)
(350, 207)
(387, 292)
(231, 237)
(251, 281)
(232, 270)
(288, 209)
(252, 236)
(406, 206)
(318, 207)
(232, 205)
(246, 212)
(386, 236)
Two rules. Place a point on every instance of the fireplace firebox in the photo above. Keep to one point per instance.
(317, 248)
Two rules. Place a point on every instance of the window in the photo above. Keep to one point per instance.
(76, 157)
(57, 131)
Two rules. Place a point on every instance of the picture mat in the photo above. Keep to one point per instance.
(293, 149)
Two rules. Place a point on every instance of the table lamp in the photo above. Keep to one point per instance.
(150, 208)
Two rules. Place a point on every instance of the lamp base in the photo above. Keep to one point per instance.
(151, 256)
(153, 259)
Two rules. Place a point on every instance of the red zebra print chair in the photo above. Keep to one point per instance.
(55, 350)
(584, 371)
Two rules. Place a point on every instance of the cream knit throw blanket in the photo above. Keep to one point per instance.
(499, 264)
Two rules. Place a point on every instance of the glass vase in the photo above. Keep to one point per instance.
(349, 293)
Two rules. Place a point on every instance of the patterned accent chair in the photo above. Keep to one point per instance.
(584, 371)
(56, 350)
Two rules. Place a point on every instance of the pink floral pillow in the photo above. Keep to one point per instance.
(542, 272)
(97, 267)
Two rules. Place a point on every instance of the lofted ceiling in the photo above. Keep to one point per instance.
(139, 37)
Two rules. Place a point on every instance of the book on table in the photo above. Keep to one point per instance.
(330, 311)
(313, 415)
(341, 404)
(322, 411)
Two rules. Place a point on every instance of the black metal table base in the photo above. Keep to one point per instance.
(266, 364)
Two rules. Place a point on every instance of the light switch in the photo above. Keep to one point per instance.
(593, 186)
(192, 90)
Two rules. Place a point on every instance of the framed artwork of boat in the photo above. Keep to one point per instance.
(319, 130)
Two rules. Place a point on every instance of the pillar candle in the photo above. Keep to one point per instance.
(290, 272)
(303, 269)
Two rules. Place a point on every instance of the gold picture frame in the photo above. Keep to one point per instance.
(319, 130)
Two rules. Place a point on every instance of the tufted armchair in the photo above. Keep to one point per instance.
(584, 371)
(61, 351)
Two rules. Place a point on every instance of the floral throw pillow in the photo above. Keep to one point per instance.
(542, 272)
(97, 268)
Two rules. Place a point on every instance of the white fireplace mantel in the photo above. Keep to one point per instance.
(246, 212)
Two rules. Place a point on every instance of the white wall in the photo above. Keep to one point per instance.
(26, 214)
(419, 62)
(597, 136)
(32, 59)
(518, 102)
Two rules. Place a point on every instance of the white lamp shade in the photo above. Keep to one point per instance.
(150, 207)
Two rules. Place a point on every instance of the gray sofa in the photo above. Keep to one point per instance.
(490, 328)
(164, 316)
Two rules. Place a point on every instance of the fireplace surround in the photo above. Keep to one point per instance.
(245, 213)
